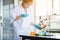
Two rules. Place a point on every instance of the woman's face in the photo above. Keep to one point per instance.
(26, 5)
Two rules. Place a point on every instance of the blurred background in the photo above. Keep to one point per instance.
(47, 9)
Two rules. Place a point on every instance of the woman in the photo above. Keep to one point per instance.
(21, 19)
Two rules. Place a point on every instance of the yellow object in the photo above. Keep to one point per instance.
(28, 1)
(44, 25)
(32, 34)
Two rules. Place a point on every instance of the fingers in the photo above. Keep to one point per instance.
(32, 23)
(18, 17)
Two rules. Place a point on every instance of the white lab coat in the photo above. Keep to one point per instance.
(21, 26)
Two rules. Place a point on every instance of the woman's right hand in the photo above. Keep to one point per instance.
(18, 17)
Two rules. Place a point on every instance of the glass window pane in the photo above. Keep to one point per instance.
(11, 6)
(7, 28)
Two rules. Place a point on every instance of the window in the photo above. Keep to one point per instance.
(7, 28)
(47, 8)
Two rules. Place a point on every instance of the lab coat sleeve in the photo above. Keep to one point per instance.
(13, 15)
(32, 18)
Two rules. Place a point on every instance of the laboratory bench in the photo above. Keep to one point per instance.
(52, 34)
(46, 37)
(53, 30)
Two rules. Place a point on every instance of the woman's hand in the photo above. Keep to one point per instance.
(35, 25)
(18, 17)
(32, 23)
(24, 15)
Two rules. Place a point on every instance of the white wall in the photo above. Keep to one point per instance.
(46, 7)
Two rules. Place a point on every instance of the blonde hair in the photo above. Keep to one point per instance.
(27, 1)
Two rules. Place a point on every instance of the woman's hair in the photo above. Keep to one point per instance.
(27, 1)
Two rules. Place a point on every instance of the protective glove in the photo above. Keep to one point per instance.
(24, 15)
(37, 26)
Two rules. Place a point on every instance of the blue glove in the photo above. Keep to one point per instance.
(24, 15)
(36, 26)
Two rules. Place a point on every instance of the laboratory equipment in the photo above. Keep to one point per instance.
(44, 25)
(42, 34)
(42, 22)
(32, 34)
